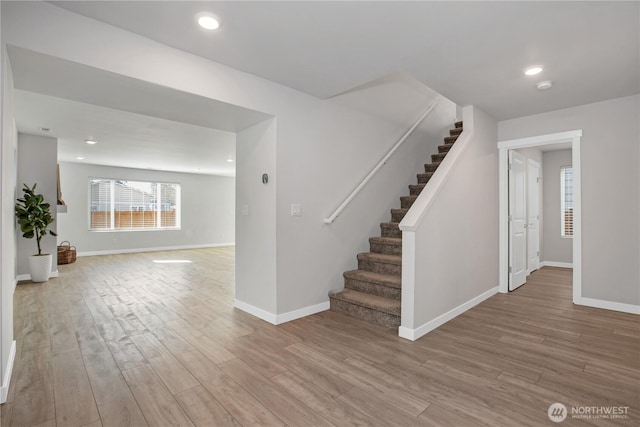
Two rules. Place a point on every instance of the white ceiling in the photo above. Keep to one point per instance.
(471, 52)
(149, 142)
(157, 127)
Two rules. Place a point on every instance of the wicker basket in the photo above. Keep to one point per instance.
(66, 253)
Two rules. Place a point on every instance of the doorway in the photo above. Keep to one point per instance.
(506, 238)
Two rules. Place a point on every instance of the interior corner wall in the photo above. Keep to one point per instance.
(610, 151)
(207, 211)
(456, 248)
(256, 216)
(556, 248)
(8, 153)
(37, 163)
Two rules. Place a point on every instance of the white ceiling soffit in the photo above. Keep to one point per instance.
(471, 52)
(125, 139)
(49, 75)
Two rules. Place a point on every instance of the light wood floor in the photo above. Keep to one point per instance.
(119, 340)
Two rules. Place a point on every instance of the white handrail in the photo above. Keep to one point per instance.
(381, 163)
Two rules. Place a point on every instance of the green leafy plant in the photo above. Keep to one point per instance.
(33, 215)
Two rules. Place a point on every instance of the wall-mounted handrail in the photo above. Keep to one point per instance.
(381, 163)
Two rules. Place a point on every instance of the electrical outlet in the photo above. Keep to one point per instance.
(296, 209)
(244, 210)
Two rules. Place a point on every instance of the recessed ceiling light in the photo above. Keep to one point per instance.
(79, 158)
(532, 71)
(229, 160)
(91, 141)
(544, 85)
(208, 21)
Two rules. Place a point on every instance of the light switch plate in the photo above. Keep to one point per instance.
(296, 209)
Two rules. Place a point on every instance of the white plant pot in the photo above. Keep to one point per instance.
(40, 267)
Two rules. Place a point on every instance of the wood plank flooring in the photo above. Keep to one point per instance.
(122, 341)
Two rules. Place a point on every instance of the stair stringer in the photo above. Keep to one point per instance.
(436, 286)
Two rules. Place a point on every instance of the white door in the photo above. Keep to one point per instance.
(533, 216)
(517, 220)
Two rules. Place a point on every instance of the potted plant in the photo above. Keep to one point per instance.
(34, 217)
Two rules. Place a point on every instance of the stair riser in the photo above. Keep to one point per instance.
(458, 125)
(450, 139)
(390, 232)
(379, 267)
(444, 148)
(397, 216)
(415, 190)
(431, 167)
(455, 132)
(406, 202)
(438, 157)
(423, 178)
(380, 248)
(364, 313)
(373, 288)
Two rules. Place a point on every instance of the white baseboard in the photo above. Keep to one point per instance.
(302, 312)
(277, 319)
(158, 249)
(608, 305)
(22, 277)
(414, 334)
(556, 264)
(6, 379)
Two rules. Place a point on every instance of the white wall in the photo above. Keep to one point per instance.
(256, 217)
(610, 151)
(37, 160)
(8, 162)
(323, 148)
(456, 242)
(207, 213)
(555, 248)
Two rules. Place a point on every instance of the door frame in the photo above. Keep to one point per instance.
(573, 137)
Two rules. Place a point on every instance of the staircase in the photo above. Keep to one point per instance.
(372, 292)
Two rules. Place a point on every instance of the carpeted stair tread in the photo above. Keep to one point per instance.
(381, 258)
(423, 178)
(450, 139)
(390, 229)
(438, 157)
(444, 148)
(398, 214)
(458, 124)
(431, 167)
(456, 131)
(390, 280)
(416, 189)
(407, 201)
(386, 245)
(385, 305)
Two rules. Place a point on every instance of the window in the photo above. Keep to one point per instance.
(566, 201)
(116, 204)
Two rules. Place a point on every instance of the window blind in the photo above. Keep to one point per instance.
(566, 201)
(133, 205)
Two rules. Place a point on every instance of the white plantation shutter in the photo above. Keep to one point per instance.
(566, 201)
(133, 205)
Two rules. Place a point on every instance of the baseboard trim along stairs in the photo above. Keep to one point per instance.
(373, 291)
